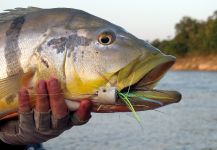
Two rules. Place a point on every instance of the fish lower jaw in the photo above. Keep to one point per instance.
(148, 74)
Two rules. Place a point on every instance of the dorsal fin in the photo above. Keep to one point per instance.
(11, 14)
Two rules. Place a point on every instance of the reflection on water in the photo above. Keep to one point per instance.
(188, 125)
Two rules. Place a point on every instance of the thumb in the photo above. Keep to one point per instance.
(83, 114)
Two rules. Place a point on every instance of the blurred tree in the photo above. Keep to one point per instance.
(192, 36)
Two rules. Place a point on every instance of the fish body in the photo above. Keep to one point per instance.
(81, 50)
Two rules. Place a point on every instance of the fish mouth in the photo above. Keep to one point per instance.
(140, 88)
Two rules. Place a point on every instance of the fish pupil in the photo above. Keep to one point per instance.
(105, 40)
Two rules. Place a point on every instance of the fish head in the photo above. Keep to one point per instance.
(112, 57)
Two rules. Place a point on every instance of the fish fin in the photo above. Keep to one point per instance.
(9, 116)
(11, 14)
(12, 84)
(27, 77)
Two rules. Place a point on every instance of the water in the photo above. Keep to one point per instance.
(188, 125)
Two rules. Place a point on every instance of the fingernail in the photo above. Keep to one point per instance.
(86, 105)
(23, 92)
(42, 85)
(53, 82)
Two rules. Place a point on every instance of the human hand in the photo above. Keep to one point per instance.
(49, 119)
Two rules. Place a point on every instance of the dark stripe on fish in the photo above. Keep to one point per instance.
(12, 50)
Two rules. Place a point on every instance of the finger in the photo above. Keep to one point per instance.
(84, 111)
(23, 98)
(25, 114)
(42, 100)
(57, 103)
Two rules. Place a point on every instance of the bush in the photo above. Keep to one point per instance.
(192, 36)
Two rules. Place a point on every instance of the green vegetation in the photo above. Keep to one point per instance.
(192, 36)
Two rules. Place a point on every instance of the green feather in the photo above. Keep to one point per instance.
(126, 99)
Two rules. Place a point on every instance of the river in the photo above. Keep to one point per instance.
(188, 125)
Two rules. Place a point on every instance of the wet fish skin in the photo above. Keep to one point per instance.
(64, 43)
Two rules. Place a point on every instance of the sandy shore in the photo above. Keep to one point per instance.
(196, 62)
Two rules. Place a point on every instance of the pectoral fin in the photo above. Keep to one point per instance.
(9, 88)
(10, 85)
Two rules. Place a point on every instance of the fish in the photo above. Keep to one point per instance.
(91, 57)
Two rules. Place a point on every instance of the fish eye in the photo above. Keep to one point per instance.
(106, 38)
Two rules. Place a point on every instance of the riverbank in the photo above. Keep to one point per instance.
(196, 62)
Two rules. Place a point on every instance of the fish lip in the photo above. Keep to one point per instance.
(163, 98)
(149, 80)
(146, 84)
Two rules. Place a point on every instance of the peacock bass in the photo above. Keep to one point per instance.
(91, 57)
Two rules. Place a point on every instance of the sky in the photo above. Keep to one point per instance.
(146, 19)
